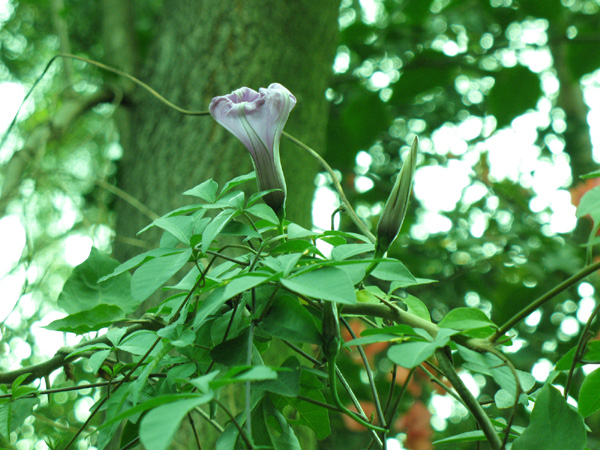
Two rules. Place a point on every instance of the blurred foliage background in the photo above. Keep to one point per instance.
(503, 94)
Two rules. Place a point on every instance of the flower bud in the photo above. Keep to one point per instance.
(395, 208)
(257, 119)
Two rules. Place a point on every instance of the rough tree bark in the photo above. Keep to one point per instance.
(206, 48)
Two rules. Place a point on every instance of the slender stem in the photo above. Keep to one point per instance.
(336, 184)
(518, 391)
(369, 375)
(249, 362)
(392, 389)
(301, 352)
(392, 411)
(584, 337)
(194, 431)
(439, 382)
(132, 443)
(79, 387)
(544, 298)
(206, 417)
(228, 258)
(333, 370)
(472, 404)
(318, 403)
(236, 424)
(127, 198)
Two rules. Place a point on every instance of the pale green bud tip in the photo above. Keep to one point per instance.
(395, 208)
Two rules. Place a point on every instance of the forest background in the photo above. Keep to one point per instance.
(503, 95)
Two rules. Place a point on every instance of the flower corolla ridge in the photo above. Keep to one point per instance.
(396, 205)
(257, 119)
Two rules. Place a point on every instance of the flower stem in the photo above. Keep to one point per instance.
(336, 184)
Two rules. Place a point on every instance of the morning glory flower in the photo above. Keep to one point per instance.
(257, 119)
(395, 208)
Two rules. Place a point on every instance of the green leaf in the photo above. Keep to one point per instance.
(139, 342)
(223, 293)
(100, 316)
(281, 433)
(159, 426)
(328, 283)
(152, 275)
(391, 270)
(137, 260)
(366, 340)
(592, 354)
(242, 373)
(418, 308)
(82, 291)
(14, 412)
(505, 399)
(493, 366)
(345, 235)
(263, 211)
(207, 191)
(258, 195)
(590, 204)
(516, 90)
(466, 319)
(468, 436)
(179, 226)
(287, 382)
(239, 229)
(297, 232)
(232, 352)
(411, 354)
(237, 181)
(311, 415)
(215, 226)
(97, 359)
(594, 174)
(294, 246)
(287, 319)
(554, 425)
(345, 251)
(589, 394)
(399, 330)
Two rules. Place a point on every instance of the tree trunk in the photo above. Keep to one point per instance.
(207, 48)
(202, 49)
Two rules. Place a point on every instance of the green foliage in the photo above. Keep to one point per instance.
(554, 424)
(241, 303)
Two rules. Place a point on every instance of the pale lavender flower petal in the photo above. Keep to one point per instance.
(257, 119)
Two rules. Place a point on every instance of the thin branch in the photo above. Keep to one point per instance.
(127, 197)
(390, 413)
(62, 31)
(206, 417)
(194, 431)
(78, 387)
(243, 435)
(543, 299)
(584, 337)
(369, 375)
(60, 358)
(318, 403)
(472, 404)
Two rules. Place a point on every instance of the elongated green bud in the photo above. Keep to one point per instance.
(395, 208)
